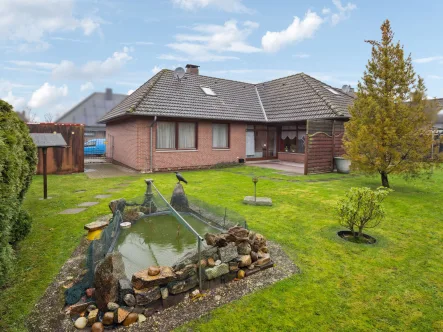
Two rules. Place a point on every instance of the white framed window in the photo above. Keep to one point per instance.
(208, 91)
(165, 135)
(220, 135)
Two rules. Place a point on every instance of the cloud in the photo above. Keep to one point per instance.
(87, 86)
(301, 55)
(344, 12)
(33, 64)
(47, 95)
(231, 6)
(18, 103)
(297, 31)
(70, 40)
(93, 69)
(138, 43)
(428, 59)
(326, 11)
(31, 20)
(156, 69)
(130, 92)
(209, 41)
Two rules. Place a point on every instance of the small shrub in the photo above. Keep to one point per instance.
(21, 226)
(362, 208)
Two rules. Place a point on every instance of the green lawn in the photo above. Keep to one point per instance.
(396, 284)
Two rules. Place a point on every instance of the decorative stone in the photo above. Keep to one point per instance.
(124, 288)
(217, 271)
(244, 248)
(97, 327)
(147, 295)
(141, 318)
(195, 292)
(179, 201)
(164, 292)
(259, 201)
(91, 307)
(107, 274)
(239, 232)
(108, 318)
(203, 263)
(264, 249)
(81, 323)
(90, 292)
(117, 204)
(251, 267)
(211, 262)
(263, 261)
(210, 239)
(240, 274)
(193, 256)
(217, 262)
(129, 299)
(244, 260)
(259, 242)
(261, 254)
(78, 308)
(233, 266)
(96, 225)
(131, 319)
(228, 253)
(186, 272)
(92, 317)
(176, 287)
(122, 314)
(153, 270)
(142, 279)
(112, 306)
(217, 298)
(254, 256)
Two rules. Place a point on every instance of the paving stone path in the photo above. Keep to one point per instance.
(72, 211)
(102, 196)
(88, 204)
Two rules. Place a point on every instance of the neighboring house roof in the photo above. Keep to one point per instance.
(296, 97)
(91, 109)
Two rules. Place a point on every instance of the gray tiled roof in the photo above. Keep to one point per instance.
(297, 97)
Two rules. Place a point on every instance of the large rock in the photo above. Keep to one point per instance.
(97, 327)
(92, 317)
(96, 225)
(239, 232)
(179, 201)
(228, 253)
(244, 260)
(186, 272)
(129, 300)
(107, 275)
(108, 318)
(177, 287)
(145, 296)
(259, 242)
(142, 279)
(122, 313)
(117, 204)
(192, 256)
(153, 270)
(244, 248)
(217, 271)
(131, 319)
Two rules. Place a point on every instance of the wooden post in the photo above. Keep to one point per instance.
(45, 180)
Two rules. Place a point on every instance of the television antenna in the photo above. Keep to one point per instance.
(179, 72)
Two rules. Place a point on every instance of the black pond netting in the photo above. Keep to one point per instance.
(130, 210)
(96, 251)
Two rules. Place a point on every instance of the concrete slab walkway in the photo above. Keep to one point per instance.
(72, 211)
(99, 171)
(284, 166)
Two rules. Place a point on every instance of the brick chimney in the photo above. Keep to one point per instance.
(192, 69)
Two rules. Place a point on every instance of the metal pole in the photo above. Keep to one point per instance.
(45, 180)
(199, 264)
(255, 191)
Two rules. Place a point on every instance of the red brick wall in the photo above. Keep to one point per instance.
(132, 146)
(292, 157)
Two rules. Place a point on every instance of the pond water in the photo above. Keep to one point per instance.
(158, 240)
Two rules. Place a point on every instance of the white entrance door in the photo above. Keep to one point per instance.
(250, 144)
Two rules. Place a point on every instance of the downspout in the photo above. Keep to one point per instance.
(152, 144)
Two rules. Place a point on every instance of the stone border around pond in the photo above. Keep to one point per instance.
(49, 315)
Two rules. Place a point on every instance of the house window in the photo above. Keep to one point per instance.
(176, 135)
(220, 135)
(208, 91)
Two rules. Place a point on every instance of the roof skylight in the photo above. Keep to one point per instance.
(331, 90)
(208, 91)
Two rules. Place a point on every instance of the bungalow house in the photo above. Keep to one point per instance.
(199, 121)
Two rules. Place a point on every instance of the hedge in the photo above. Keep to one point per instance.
(18, 160)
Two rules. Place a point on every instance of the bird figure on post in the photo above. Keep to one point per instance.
(180, 177)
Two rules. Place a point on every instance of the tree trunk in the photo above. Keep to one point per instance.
(384, 179)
